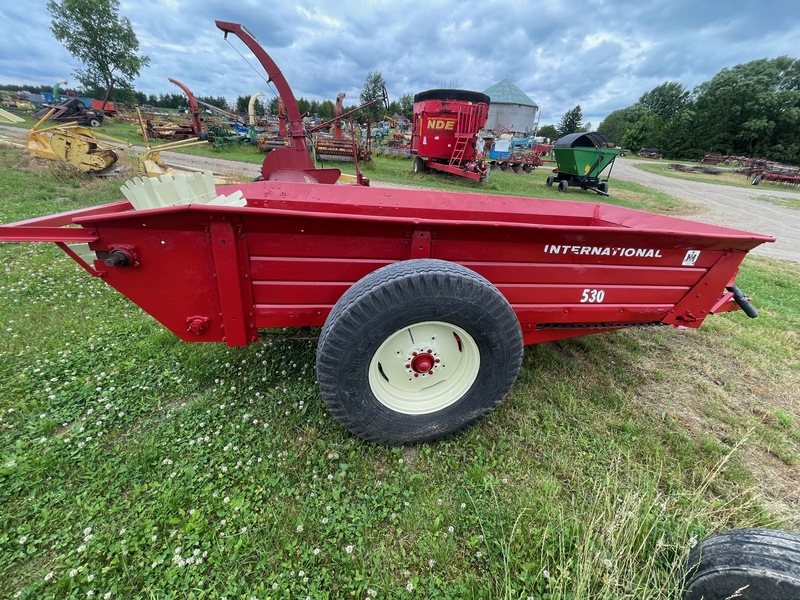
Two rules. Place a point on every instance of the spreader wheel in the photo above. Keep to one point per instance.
(763, 563)
(563, 185)
(94, 122)
(603, 187)
(419, 165)
(549, 181)
(417, 351)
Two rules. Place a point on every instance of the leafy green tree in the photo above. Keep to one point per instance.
(406, 107)
(680, 139)
(571, 122)
(548, 131)
(618, 122)
(373, 90)
(753, 109)
(326, 109)
(666, 100)
(93, 32)
(645, 132)
(243, 105)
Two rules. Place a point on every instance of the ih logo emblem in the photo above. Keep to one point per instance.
(691, 258)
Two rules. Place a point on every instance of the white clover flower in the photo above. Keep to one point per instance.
(23, 539)
(463, 505)
(73, 572)
(410, 586)
(49, 576)
(316, 551)
(90, 578)
(299, 529)
(349, 549)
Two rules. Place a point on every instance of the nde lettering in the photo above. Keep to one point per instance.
(602, 251)
(444, 124)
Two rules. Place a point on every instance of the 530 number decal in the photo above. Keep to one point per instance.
(592, 296)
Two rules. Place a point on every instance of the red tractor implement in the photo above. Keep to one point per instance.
(425, 298)
(445, 131)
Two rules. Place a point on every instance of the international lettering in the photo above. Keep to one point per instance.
(602, 251)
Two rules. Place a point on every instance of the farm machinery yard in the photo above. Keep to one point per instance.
(426, 299)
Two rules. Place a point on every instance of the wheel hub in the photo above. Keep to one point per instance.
(422, 363)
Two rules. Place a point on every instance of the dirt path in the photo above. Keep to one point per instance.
(741, 208)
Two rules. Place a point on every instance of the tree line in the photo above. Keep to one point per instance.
(752, 109)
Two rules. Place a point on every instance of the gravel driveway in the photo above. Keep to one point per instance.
(741, 208)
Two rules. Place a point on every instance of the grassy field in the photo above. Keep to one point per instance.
(133, 465)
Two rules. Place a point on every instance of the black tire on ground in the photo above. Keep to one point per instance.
(756, 180)
(419, 165)
(563, 185)
(603, 187)
(764, 561)
(94, 122)
(528, 168)
(549, 181)
(416, 351)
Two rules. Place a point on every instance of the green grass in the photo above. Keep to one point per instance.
(135, 465)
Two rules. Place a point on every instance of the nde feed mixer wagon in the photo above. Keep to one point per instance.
(445, 131)
(425, 298)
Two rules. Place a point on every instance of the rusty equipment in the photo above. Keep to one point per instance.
(74, 144)
(338, 146)
(154, 166)
(167, 129)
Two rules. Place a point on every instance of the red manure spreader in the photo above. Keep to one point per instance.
(425, 298)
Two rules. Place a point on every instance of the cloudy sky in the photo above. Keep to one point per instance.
(602, 55)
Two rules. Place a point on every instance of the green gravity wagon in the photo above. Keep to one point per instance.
(581, 158)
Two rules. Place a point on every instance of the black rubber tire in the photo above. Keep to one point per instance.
(603, 187)
(419, 165)
(397, 297)
(549, 181)
(756, 180)
(563, 185)
(94, 122)
(764, 561)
